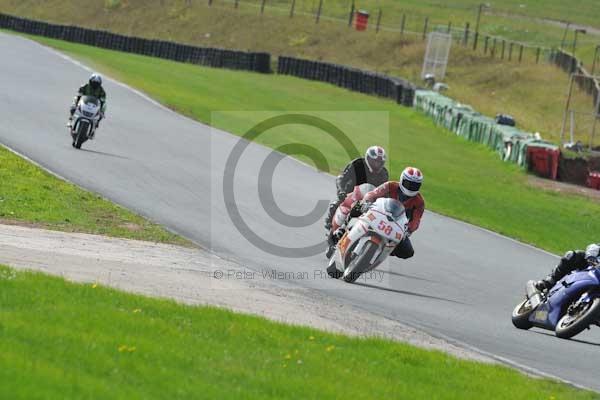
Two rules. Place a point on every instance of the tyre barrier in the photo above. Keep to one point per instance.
(206, 56)
(511, 144)
(354, 79)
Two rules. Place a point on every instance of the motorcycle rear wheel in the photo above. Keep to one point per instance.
(521, 314)
(570, 325)
(360, 263)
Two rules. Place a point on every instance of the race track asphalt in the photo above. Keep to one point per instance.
(462, 284)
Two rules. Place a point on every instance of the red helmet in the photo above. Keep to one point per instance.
(375, 158)
(410, 181)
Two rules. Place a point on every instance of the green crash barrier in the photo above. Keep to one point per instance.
(509, 142)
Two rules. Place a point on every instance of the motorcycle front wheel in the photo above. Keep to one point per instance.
(81, 135)
(520, 315)
(577, 320)
(360, 263)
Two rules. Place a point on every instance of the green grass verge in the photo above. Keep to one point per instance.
(463, 180)
(65, 340)
(31, 196)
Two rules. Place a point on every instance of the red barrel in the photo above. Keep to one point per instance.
(593, 180)
(543, 161)
(362, 20)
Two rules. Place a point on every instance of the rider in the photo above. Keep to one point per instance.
(369, 169)
(92, 88)
(571, 261)
(407, 192)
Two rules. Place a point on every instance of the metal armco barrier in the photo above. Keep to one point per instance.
(354, 79)
(206, 56)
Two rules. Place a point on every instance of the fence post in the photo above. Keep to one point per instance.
(210, 2)
(485, 45)
(425, 27)
(262, 7)
(449, 26)
(510, 47)
(537, 56)
(403, 24)
(236, 4)
(378, 21)
(319, 11)
(466, 36)
(521, 53)
(503, 46)
(292, 8)
(351, 16)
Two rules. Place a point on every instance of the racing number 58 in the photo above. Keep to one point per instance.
(385, 228)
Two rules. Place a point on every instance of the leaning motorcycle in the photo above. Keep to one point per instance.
(85, 120)
(369, 240)
(570, 307)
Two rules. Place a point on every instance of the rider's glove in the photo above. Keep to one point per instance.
(356, 210)
(341, 195)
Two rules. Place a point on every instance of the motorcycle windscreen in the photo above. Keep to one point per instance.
(91, 100)
(394, 209)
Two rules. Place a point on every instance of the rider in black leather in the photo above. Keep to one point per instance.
(369, 169)
(571, 261)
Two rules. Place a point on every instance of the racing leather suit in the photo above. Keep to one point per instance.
(355, 173)
(415, 206)
(572, 260)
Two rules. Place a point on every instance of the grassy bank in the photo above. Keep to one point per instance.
(30, 196)
(463, 180)
(534, 94)
(64, 340)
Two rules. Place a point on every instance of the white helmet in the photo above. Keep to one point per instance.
(375, 158)
(592, 252)
(410, 181)
(96, 80)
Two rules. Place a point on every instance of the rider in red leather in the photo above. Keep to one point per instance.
(407, 191)
(339, 218)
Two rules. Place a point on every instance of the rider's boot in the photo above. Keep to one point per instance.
(332, 239)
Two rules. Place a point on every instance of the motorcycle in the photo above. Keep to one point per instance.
(570, 307)
(368, 240)
(85, 120)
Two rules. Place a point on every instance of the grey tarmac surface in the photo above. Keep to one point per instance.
(462, 284)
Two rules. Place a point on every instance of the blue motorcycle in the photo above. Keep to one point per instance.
(570, 307)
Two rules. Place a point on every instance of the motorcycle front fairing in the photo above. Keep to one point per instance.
(87, 111)
(373, 226)
(584, 284)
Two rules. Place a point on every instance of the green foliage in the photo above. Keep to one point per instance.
(29, 195)
(65, 340)
(112, 4)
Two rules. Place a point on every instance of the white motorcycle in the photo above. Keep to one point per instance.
(369, 240)
(85, 120)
